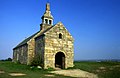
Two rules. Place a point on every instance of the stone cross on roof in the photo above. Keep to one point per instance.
(48, 7)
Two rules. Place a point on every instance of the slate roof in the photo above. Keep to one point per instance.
(27, 39)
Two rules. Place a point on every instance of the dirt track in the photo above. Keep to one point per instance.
(75, 73)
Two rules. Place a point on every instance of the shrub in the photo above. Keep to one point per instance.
(36, 61)
(8, 59)
(50, 69)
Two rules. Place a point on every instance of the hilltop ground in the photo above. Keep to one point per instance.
(80, 70)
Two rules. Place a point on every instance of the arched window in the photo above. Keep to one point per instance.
(46, 21)
(60, 36)
(50, 22)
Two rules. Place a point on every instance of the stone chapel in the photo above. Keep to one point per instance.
(53, 43)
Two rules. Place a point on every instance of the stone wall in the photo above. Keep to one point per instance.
(31, 47)
(20, 54)
(31, 50)
(53, 45)
(47, 45)
(39, 48)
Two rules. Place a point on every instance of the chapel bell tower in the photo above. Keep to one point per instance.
(47, 18)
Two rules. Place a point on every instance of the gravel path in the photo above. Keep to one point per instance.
(17, 74)
(75, 73)
(1, 71)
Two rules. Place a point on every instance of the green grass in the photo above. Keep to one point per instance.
(102, 69)
(10, 67)
(110, 69)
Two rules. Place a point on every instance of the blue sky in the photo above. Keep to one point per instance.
(94, 24)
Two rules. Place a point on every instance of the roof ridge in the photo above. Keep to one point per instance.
(27, 39)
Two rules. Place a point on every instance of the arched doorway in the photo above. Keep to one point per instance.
(60, 60)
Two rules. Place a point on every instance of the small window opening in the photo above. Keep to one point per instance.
(50, 22)
(46, 21)
(60, 36)
(17, 57)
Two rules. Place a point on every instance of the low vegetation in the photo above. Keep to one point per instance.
(102, 69)
(9, 69)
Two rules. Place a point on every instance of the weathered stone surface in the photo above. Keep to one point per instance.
(20, 54)
(48, 42)
(54, 45)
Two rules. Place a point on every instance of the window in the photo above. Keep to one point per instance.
(50, 22)
(17, 57)
(22, 50)
(60, 36)
(46, 21)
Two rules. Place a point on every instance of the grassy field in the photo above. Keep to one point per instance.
(102, 69)
(10, 67)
